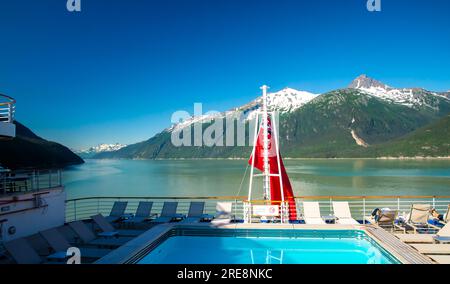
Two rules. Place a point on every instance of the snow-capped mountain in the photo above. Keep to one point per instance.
(368, 113)
(365, 83)
(86, 153)
(286, 100)
(411, 97)
(289, 100)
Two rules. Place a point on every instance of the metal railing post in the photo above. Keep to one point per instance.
(364, 211)
(434, 202)
(10, 113)
(235, 208)
(331, 205)
(75, 210)
(398, 204)
(35, 181)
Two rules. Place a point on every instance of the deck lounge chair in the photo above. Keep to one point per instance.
(418, 218)
(443, 236)
(109, 231)
(117, 211)
(311, 213)
(342, 213)
(446, 216)
(432, 248)
(59, 245)
(386, 220)
(195, 213)
(143, 213)
(168, 213)
(223, 214)
(22, 252)
(89, 238)
(441, 259)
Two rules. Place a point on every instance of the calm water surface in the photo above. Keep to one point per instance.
(224, 177)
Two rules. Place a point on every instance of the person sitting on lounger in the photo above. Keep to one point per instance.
(436, 215)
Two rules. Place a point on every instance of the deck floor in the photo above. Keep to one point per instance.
(405, 252)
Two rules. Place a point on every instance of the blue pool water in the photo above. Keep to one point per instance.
(359, 249)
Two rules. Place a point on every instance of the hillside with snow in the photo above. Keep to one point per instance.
(348, 122)
(284, 101)
(410, 97)
(289, 100)
(100, 148)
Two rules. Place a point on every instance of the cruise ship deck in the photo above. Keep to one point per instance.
(140, 225)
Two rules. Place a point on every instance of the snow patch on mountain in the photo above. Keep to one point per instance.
(196, 119)
(102, 148)
(286, 100)
(411, 97)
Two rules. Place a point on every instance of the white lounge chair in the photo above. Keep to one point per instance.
(109, 231)
(446, 216)
(432, 248)
(443, 236)
(59, 245)
(195, 213)
(418, 218)
(117, 211)
(223, 213)
(311, 213)
(168, 213)
(143, 213)
(342, 213)
(441, 259)
(86, 236)
(386, 220)
(22, 252)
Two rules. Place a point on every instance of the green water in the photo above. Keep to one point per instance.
(223, 177)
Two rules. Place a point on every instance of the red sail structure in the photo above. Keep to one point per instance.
(275, 184)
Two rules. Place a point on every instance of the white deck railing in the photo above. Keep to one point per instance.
(14, 182)
(7, 109)
(360, 206)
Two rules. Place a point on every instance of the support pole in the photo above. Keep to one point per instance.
(275, 132)
(248, 205)
(255, 136)
(266, 178)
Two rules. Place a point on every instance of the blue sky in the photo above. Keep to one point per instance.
(116, 71)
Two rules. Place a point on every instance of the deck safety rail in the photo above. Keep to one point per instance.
(13, 182)
(83, 208)
(360, 206)
(7, 109)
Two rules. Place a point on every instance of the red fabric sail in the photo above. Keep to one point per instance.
(275, 192)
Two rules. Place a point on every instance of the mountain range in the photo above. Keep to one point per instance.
(27, 150)
(100, 148)
(366, 119)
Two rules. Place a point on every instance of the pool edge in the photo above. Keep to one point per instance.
(130, 252)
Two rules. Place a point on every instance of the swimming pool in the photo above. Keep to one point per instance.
(267, 247)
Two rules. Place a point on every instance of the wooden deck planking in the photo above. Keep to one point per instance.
(407, 254)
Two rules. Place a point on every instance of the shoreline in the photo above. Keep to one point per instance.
(287, 158)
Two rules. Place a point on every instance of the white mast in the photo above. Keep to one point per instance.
(266, 172)
(266, 165)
